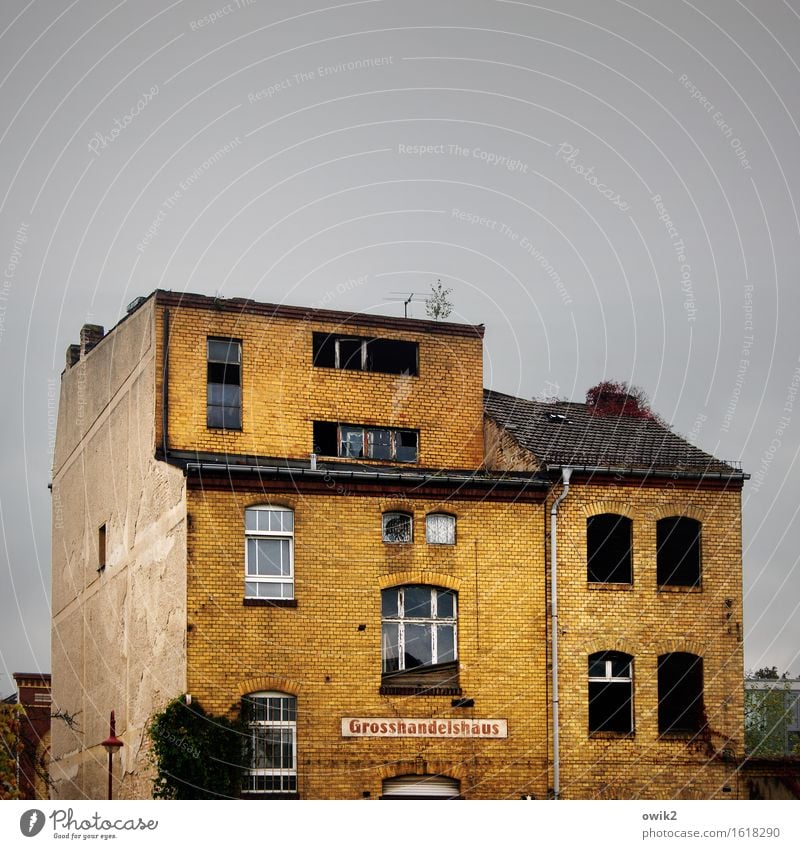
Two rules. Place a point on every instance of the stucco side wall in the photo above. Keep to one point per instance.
(119, 632)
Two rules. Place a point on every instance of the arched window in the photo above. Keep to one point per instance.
(269, 552)
(611, 692)
(608, 549)
(418, 627)
(678, 552)
(271, 718)
(440, 529)
(680, 693)
(398, 527)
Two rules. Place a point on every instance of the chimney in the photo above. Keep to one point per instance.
(91, 334)
(73, 355)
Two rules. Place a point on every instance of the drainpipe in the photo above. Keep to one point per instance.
(566, 473)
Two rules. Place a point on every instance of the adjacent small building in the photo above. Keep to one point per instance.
(321, 522)
(33, 732)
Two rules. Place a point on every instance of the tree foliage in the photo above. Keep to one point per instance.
(617, 398)
(767, 715)
(197, 755)
(438, 305)
(10, 748)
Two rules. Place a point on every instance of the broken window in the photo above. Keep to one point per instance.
(418, 627)
(440, 529)
(269, 554)
(680, 693)
(360, 353)
(224, 384)
(610, 692)
(678, 552)
(608, 548)
(271, 719)
(373, 443)
(397, 527)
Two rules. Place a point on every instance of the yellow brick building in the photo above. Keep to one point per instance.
(322, 522)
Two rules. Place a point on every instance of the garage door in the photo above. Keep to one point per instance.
(421, 787)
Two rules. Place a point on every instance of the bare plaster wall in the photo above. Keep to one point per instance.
(119, 640)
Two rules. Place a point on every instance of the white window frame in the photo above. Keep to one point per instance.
(286, 581)
(287, 774)
(433, 620)
(610, 678)
(337, 354)
(440, 515)
(394, 514)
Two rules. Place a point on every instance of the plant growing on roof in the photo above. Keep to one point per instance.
(617, 398)
(438, 305)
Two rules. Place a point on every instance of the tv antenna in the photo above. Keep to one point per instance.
(406, 300)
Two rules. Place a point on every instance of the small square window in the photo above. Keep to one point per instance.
(440, 529)
(397, 527)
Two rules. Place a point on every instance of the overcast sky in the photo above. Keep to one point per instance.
(610, 187)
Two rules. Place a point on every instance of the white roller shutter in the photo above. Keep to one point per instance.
(421, 787)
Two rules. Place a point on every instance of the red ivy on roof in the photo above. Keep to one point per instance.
(616, 398)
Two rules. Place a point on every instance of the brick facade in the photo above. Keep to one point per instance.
(323, 646)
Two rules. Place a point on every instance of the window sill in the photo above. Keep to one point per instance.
(408, 690)
(367, 460)
(676, 588)
(679, 736)
(270, 602)
(612, 735)
(260, 796)
(225, 429)
(598, 585)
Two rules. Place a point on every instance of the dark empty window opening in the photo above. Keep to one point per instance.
(224, 391)
(680, 693)
(359, 353)
(101, 548)
(608, 548)
(678, 552)
(610, 692)
(370, 443)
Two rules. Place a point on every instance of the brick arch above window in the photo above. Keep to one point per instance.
(268, 683)
(678, 509)
(418, 576)
(396, 505)
(283, 504)
(678, 644)
(609, 505)
(610, 642)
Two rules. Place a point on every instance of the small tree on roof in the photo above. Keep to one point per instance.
(617, 398)
(438, 305)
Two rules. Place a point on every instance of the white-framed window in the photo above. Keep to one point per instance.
(419, 625)
(269, 552)
(611, 692)
(272, 721)
(440, 529)
(398, 527)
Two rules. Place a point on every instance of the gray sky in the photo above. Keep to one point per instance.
(610, 187)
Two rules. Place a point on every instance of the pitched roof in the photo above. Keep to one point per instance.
(562, 433)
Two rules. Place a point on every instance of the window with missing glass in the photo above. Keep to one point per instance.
(418, 627)
(398, 527)
(361, 353)
(360, 442)
(271, 719)
(610, 692)
(224, 384)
